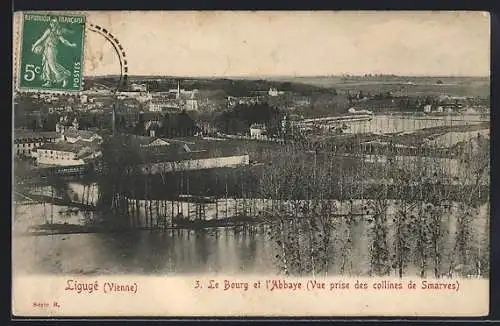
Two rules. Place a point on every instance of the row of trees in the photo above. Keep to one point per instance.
(167, 125)
(426, 230)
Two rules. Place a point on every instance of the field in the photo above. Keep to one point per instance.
(415, 86)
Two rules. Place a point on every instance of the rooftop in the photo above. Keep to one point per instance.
(257, 126)
(84, 134)
(137, 140)
(63, 147)
(175, 150)
(30, 134)
(216, 148)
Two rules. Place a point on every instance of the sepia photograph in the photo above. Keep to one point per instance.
(309, 151)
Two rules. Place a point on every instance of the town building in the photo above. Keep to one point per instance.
(69, 146)
(192, 162)
(97, 89)
(232, 101)
(356, 111)
(147, 141)
(173, 99)
(257, 130)
(139, 87)
(274, 92)
(163, 155)
(192, 103)
(455, 106)
(67, 154)
(139, 96)
(53, 109)
(71, 132)
(301, 101)
(26, 142)
(73, 135)
(163, 104)
(179, 93)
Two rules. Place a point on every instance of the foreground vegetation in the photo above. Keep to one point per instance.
(407, 217)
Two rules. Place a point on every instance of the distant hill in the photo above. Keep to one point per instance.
(232, 87)
(243, 86)
(414, 85)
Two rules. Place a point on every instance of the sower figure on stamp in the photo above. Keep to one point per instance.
(52, 71)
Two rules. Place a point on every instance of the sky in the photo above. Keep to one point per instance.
(292, 43)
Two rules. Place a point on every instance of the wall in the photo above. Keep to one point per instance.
(26, 149)
(256, 132)
(208, 163)
(29, 149)
(57, 158)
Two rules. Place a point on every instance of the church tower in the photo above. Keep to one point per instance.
(75, 123)
(60, 125)
(178, 96)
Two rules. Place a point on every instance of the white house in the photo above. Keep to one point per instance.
(72, 135)
(257, 130)
(149, 141)
(65, 154)
(139, 87)
(26, 142)
(353, 110)
(182, 92)
(427, 108)
(144, 97)
(160, 104)
(155, 107)
(273, 92)
(153, 142)
(192, 104)
(55, 109)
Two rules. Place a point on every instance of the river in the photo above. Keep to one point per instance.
(234, 250)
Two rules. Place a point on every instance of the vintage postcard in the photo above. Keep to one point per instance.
(251, 163)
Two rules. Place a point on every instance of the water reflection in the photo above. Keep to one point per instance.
(145, 252)
(224, 250)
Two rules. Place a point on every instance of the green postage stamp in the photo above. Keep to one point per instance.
(52, 52)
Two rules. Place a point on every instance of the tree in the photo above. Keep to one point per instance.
(379, 248)
(34, 124)
(49, 123)
(238, 120)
